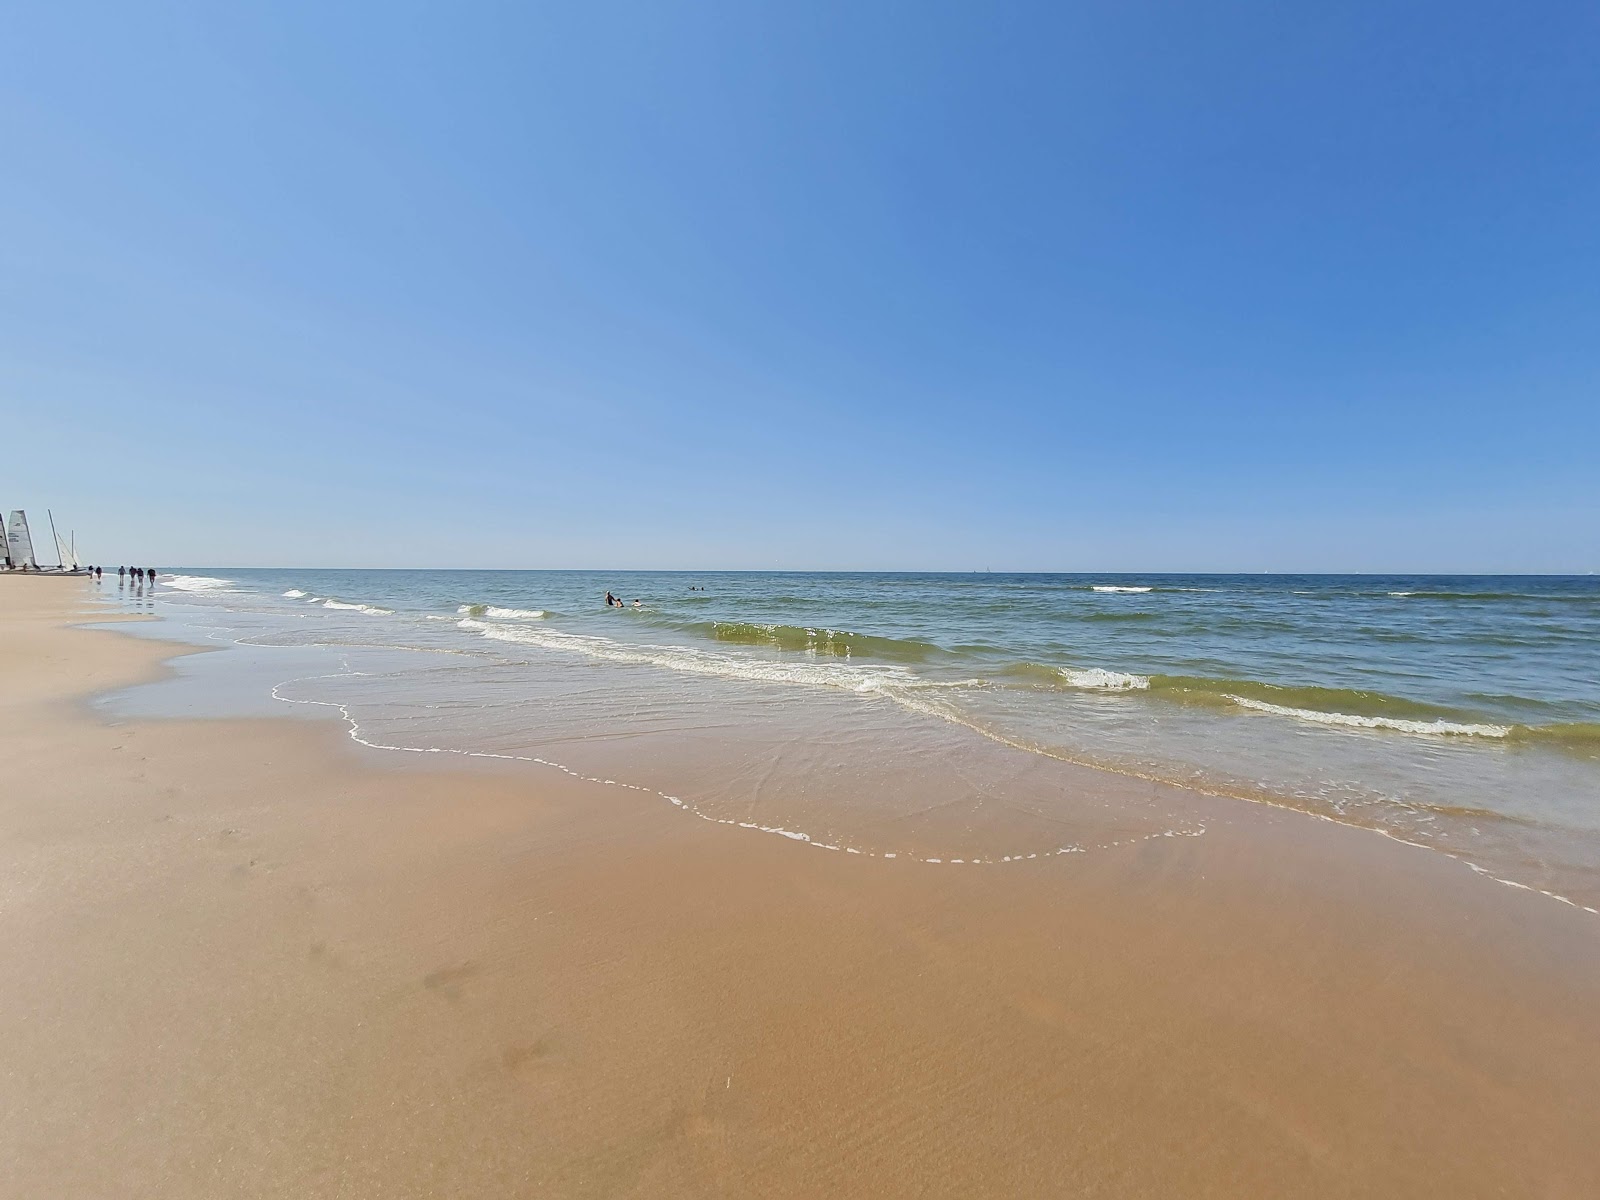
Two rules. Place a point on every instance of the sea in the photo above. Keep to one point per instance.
(954, 717)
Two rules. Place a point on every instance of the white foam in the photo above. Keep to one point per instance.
(1099, 679)
(1108, 587)
(369, 609)
(531, 614)
(1395, 724)
(198, 583)
(294, 593)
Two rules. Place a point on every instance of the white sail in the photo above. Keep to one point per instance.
(20, 540)
(65, 555)
(5, 546)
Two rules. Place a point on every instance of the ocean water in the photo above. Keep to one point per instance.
(926, 715)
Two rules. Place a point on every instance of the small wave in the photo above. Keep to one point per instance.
(369, 609)
(1397, 724)
(1112, 587)
(1577, 737)
(1099, 679)
(1082, 678)
(502, 614)
(294, 593)
(1226, 692)
(198, 583)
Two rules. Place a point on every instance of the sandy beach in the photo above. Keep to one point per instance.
(248, 958)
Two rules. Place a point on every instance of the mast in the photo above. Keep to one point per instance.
(55, 537)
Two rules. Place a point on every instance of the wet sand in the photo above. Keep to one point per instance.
(243, 958)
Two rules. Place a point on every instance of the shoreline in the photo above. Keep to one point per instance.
(1053, 672)
(253, 962)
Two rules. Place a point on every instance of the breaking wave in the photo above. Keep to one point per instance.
(198, 583)
(1435, 728)
(369, 609)
(502, 614)
(1096, 679)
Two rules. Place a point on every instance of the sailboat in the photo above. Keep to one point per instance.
(19, 543)
(66, 552)
(16, 547)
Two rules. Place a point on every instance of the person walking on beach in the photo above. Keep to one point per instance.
(122, 573)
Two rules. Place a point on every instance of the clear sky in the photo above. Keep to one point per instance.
(1056, 286)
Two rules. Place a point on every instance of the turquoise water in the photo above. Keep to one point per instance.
(1461, 713)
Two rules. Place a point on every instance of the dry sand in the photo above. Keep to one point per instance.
(241, 959)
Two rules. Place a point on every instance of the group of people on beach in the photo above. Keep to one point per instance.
(137, 574)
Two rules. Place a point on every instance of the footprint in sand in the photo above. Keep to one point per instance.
(445, 980)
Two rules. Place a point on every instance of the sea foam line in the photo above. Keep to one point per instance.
(1396, 724)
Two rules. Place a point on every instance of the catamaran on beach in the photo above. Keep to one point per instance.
(17, 553)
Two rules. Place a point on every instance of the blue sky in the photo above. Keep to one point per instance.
(1106, 286)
